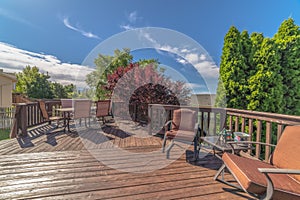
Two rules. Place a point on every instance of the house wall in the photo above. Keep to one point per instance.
(6, 86)
(203, 100)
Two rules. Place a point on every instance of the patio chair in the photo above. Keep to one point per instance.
(66, 103)
(103, 109)
(82, 110)
(182, 128)
(47, 116)
(278, 179)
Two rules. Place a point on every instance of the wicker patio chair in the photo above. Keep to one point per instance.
(278, 179)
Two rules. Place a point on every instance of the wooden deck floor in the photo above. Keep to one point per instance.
(58, 166)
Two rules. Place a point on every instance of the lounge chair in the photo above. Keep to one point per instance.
(278, 179)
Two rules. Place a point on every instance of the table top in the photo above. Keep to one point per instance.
(217, 142)
(65, 109)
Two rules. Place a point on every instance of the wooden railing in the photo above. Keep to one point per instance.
(262, 126)
(28, 115)
(210, 119)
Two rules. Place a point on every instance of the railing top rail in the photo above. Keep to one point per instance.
(202, 108)
(267, 116)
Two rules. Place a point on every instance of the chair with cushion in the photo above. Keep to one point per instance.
(182, 128)
(47, 116)
(66, 103)
(103, 109)
(278, 179)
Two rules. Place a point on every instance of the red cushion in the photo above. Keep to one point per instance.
(245, 170)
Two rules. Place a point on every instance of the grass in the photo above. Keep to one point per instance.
(4, 134)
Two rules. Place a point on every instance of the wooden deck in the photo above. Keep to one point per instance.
(58, 166)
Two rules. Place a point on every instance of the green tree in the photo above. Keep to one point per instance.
(287, 39)
(58, 90)
(232, 84)
(33, 83)
(266, 84)
(256, 42)
(107, 64)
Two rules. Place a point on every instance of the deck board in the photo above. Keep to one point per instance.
(57, 166)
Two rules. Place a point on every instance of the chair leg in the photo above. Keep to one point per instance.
(221, 170)
(169, 149)
(164, 144)
(222, 180)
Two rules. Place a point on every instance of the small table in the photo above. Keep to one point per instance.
(218, 144)
(67, 116)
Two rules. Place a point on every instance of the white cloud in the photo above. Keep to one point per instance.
(13, 59)
(200, 60)
(77, 29)
(192, 58)
(127, 27)
(132, 17)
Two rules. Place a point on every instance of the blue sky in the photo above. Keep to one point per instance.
(57, 35)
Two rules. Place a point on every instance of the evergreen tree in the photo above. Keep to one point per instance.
(266, 85)
(256, 42)
(288, 40)
(233, 80)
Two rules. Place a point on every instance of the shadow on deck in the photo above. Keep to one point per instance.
(57, 165)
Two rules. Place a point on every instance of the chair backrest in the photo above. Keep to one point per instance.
(103, 108)
(82, 108)
(184, 119)
(286, 153)
(66, 103)
(43, 109)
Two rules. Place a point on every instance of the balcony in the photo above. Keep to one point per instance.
(42, 162)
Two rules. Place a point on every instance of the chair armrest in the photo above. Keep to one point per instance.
(167, 124)
(270, 185)
(232, 143)
(196, 127)
(251, 142)
(279, 171)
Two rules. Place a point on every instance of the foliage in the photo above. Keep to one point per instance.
(266, 85)
(33, 83)
(106, 64)
(37, 85)
(4, 134)
(233, 79)
(139, 85)
(260, 73)
(63, 91)
(288, 41)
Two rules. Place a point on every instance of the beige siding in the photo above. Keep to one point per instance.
(203, 100)
(6, 86)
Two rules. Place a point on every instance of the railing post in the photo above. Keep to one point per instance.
(14, 129)
(19, 121)
(23, 119)
(258, 139)
(268, 140)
